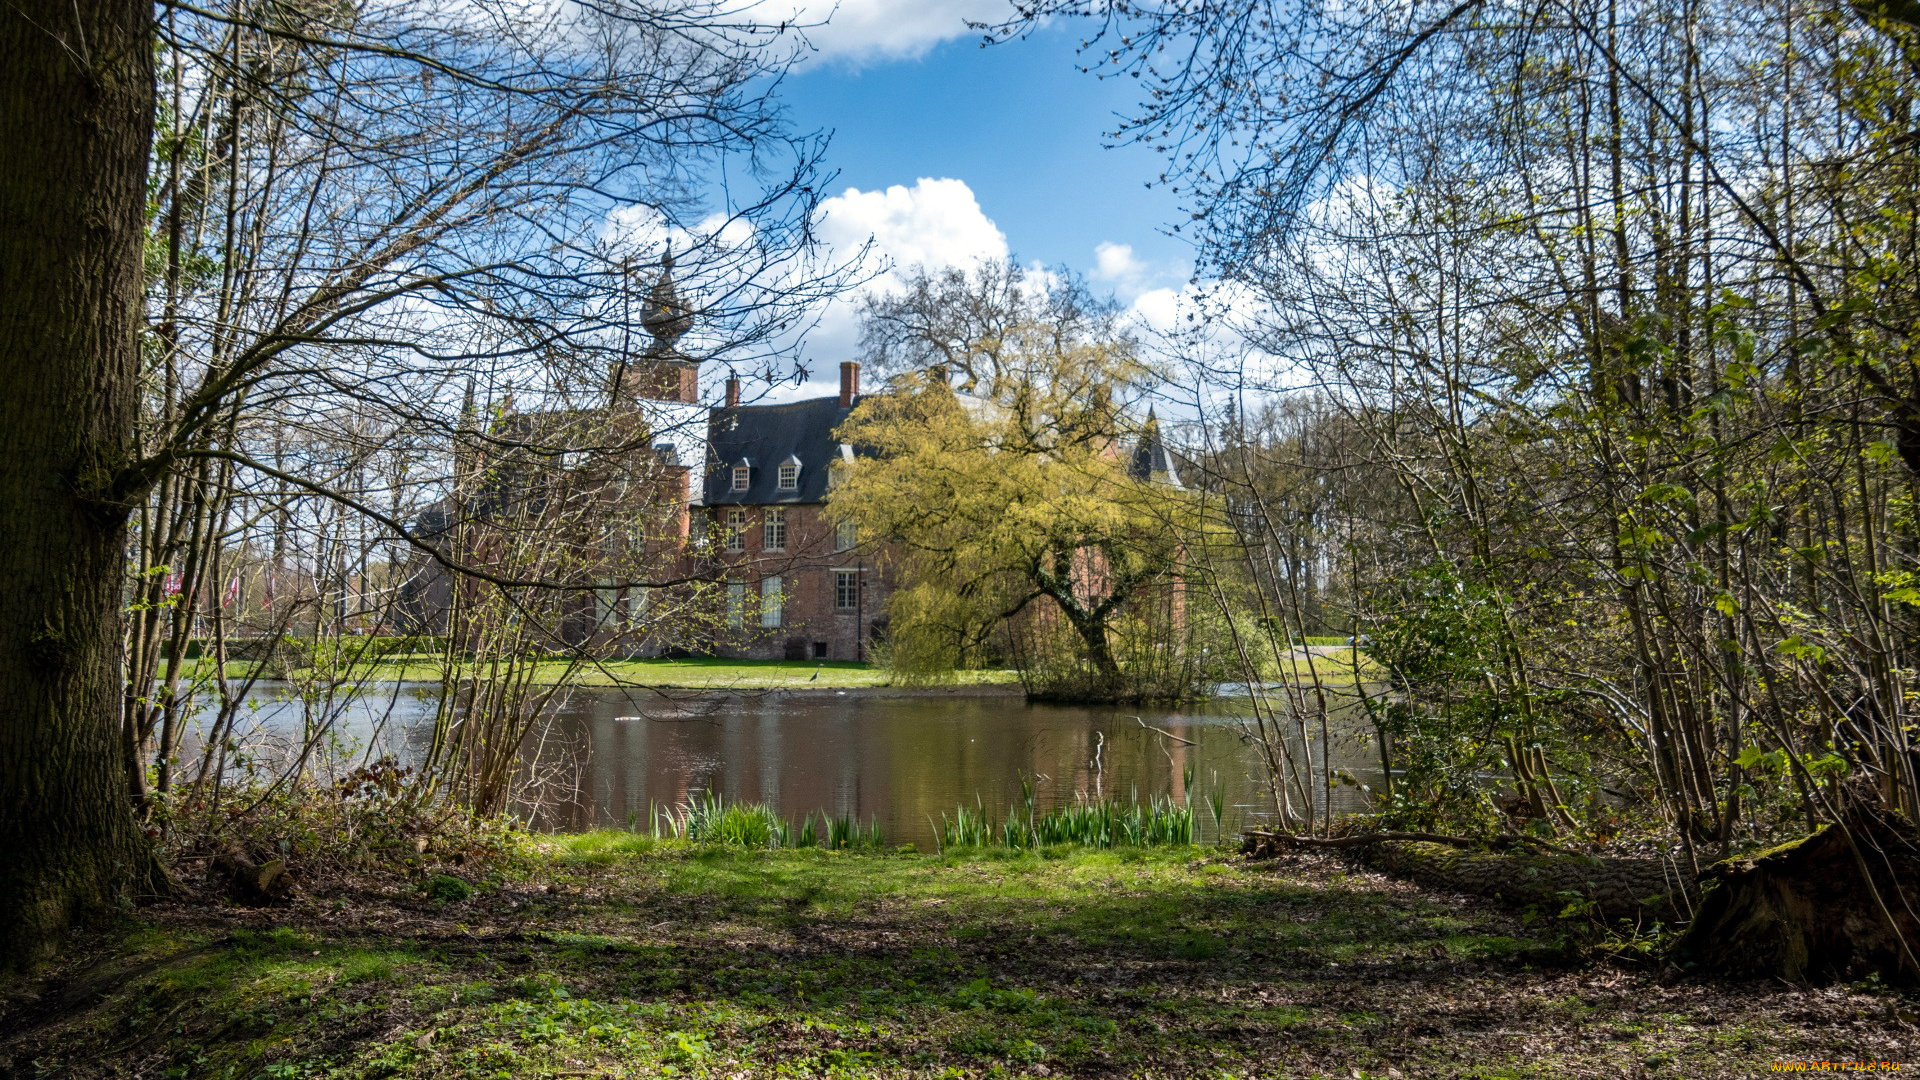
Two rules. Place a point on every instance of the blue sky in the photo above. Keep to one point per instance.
(1018, 124)
(947, 152)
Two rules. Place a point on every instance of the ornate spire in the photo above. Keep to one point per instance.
(665, 316)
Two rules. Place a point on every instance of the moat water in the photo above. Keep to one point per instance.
(613, 755)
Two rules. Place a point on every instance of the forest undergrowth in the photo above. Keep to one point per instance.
(618, 954)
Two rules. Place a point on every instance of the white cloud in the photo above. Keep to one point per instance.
(936, 222)
(1218, 307)
(856, 31)
(1162, 310)
(642, 231)
(1116, 265)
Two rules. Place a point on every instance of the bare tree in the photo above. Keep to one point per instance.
(352, 213)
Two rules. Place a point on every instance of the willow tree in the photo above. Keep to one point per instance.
(1028, 510)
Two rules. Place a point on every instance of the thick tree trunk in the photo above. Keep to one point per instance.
(1804, 911)
(1607, 887)
(76, 112)
(1093, 631)
(1610, 888)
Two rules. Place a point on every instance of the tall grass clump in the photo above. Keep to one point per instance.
(710, 818)
(1099, 823)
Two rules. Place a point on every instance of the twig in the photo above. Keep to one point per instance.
(1163, 731)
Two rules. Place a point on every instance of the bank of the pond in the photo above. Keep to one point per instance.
(614, 955)
(1334, 666)
(686, 674)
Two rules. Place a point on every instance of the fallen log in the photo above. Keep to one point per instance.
(1551, 878)
(248, 883)
(1839, 904)
(1259, 843)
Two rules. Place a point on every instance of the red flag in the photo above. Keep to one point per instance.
(173, 583)
(233, 591)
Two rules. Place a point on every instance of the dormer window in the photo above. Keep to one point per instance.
(837, 469)
(789, 475)
(742, 474)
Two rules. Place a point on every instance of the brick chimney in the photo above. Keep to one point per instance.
(733, 393)
(849, 383)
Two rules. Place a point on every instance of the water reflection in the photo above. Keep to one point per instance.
(614, 755)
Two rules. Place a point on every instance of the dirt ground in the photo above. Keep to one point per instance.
(613, 955)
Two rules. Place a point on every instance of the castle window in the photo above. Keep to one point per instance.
(742, 476)
(789, 477)
(773, 530)
(846, 536)
(772, 603)
(606, 606)
(736, 602)
(736, 530)
(846, 589)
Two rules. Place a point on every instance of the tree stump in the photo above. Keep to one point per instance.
(1805, 912)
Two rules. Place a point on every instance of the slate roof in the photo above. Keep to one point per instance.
(1151, 458)
(766, 435)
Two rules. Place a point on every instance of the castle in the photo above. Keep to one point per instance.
(734, 521)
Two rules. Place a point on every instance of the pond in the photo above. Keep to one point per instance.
(904, 758)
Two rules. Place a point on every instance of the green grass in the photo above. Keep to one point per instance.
(1110, 823)
(618, 955)
(694, 674)
(712, 818)
(1341, 667)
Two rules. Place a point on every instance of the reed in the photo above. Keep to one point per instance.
(711, 818)
(1100, 823)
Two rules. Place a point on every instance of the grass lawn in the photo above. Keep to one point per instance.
(1336, 665)
(697, 674)
(609, 955)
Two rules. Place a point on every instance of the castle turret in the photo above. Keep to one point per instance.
(662, 372)
(1151, 459)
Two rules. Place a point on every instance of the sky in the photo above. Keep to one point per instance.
(947, 152)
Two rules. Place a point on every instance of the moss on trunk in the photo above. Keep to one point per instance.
(1806, 911)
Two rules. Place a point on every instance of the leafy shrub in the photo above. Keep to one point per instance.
(446, 887)
(373, 820)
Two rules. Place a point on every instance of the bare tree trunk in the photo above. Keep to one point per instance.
(76, 112)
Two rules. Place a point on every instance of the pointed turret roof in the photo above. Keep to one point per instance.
(1151, 459)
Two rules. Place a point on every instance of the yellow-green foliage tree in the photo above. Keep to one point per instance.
(1021, 505)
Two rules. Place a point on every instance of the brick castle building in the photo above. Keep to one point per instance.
(726, 502)
(731, 506)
